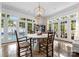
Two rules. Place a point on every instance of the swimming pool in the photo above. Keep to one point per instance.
(12, 37)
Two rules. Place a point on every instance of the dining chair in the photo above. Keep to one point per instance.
(46, 45)
(24, 47)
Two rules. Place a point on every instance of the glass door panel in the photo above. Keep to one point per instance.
(12, 22)
(56, 28)
(22, 28)
(64, 29)
(73, 27)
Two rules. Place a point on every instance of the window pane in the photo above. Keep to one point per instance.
(22, 24)
(29, 20)
(63, 29)
(73, 24)
(49, 26)
(29, 27)
(55, 26)
(3, 15)
(11, 27)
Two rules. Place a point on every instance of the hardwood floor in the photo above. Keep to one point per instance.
(11, 48)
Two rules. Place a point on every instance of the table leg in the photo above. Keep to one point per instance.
(39, 45)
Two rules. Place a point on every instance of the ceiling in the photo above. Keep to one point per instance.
(50, 7)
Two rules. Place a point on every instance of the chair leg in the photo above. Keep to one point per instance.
(30, 47)
(18, 52)
(52, 49)
(39, 45)
(47, 48)
(47, 52)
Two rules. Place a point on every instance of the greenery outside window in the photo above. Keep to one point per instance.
(23, 19)
(63, 29)
(2, 23)
(73, 24)
(49, 26)
(10, 23)
(22, 24)
(55, 26)
(3, 15)
(29, 27)
(73, 27)
(29, 20)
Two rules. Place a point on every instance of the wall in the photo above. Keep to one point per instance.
(77, 26)
(0, 21)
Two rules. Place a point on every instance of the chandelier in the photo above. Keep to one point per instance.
(39, 11)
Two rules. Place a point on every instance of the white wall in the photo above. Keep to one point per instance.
(77, 25)
(0, 21)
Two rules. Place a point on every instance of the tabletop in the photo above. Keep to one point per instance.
(37, 36)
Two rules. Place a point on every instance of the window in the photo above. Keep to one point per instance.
(73, 24)
(64, 17)
(33, 20)
(29, 27)
(55, 26)
(29, 20)
(49, 26)
(23, 19)
(22, 24)
(3, 15)
(10, 23)
(73, 27)
(8, 16)
(63, 29)
(2, 23)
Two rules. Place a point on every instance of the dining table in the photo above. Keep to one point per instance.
(36, 37)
